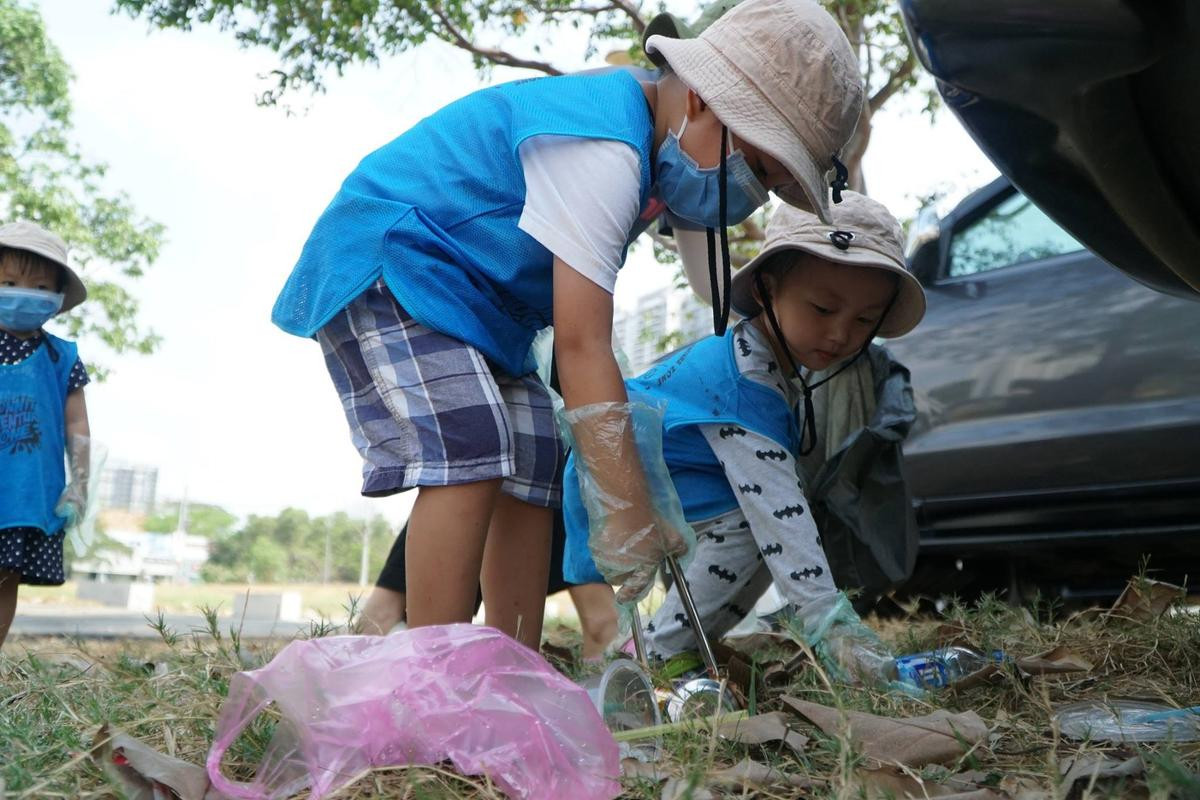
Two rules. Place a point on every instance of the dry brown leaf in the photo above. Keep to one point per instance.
(1085, 767)
(979, 676)
(146, 774)
(746, 775)
(951, 633)
(736, 668)
(1052, 662)
(889, 782)
(562, 658)
(1144, 600)
(776, 675)
(763, 728)
(677, 788)
(749, 774)
(937, 738)
(632, 768)
(1020, 787)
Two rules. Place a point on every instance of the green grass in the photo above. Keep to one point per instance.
(55, 695)
(323, 600)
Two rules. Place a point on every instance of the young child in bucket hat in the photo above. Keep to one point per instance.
(509, 210)
(738, 416)
(42, 412)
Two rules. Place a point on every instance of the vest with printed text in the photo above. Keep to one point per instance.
(33, 399)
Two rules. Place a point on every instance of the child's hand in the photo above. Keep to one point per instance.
(630, 548)
(627, 491)
(73, 501)
(71, 504)
(850, 650)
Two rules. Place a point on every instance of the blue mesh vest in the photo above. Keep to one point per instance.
(33, 400)
(435, 213)
(701, 385)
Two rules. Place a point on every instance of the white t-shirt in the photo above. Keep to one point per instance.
(581, 201)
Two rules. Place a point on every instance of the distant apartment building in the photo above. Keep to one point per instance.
(661, 321)
(140, 556)
(127, 487)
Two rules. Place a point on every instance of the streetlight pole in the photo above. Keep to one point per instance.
(366, 552)
(325, 572)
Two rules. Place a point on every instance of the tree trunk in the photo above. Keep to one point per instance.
(856, 148)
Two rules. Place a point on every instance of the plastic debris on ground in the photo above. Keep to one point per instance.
(625, 698)
(1120, 720)
(463, 693)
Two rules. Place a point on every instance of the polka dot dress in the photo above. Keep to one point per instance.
(36, 556)
(28, 551)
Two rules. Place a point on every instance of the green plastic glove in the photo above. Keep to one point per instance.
(849, 650)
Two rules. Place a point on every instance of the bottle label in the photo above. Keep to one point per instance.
(924, 670)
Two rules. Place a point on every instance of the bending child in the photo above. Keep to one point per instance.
(739, 414)
(42, 413)
(448, 249)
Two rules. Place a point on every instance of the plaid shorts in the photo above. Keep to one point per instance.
(426, 409)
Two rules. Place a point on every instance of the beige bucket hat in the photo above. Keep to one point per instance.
(33, 238)
(863, 233)
(782, 76)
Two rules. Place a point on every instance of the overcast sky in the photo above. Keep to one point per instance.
(230, 408)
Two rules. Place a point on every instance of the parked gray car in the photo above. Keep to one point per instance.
(1058, 436)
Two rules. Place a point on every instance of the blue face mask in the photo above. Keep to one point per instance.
(27, 309)
(693, 192)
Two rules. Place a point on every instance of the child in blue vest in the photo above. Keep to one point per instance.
(448, 249)
(42, 412)
(739, 413)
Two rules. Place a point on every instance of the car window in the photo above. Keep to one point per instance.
(1012, 232)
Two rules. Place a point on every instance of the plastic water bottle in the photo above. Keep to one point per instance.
(937, 669)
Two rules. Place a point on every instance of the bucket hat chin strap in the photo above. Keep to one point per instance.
(720, 300)
(808, 427)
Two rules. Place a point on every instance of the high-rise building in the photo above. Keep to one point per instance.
(661, 321)
(128, 488)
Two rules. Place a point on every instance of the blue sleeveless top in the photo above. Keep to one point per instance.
(701, 385)
(435, 212)
(33, 401)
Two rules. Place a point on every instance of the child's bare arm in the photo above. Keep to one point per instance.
(73, 501)
(633, 538)
(583, 318)
(77, 417)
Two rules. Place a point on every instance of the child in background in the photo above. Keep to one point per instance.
(594, 602)
(813, 299)
(42, 413)
(509, 210)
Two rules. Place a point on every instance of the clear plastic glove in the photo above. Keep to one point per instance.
(848, 649)
(634, 515)
(72, 503)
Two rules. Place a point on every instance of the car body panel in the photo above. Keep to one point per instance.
(1058, 401)
(1089, 107)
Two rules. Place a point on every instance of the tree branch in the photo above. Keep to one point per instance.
(631, 11)
(589, 11)
(668, 243)
(895, 83)
(455, 36)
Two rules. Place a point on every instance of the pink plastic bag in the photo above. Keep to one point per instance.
(460, 692)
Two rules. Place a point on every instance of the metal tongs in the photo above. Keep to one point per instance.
(689, 607)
